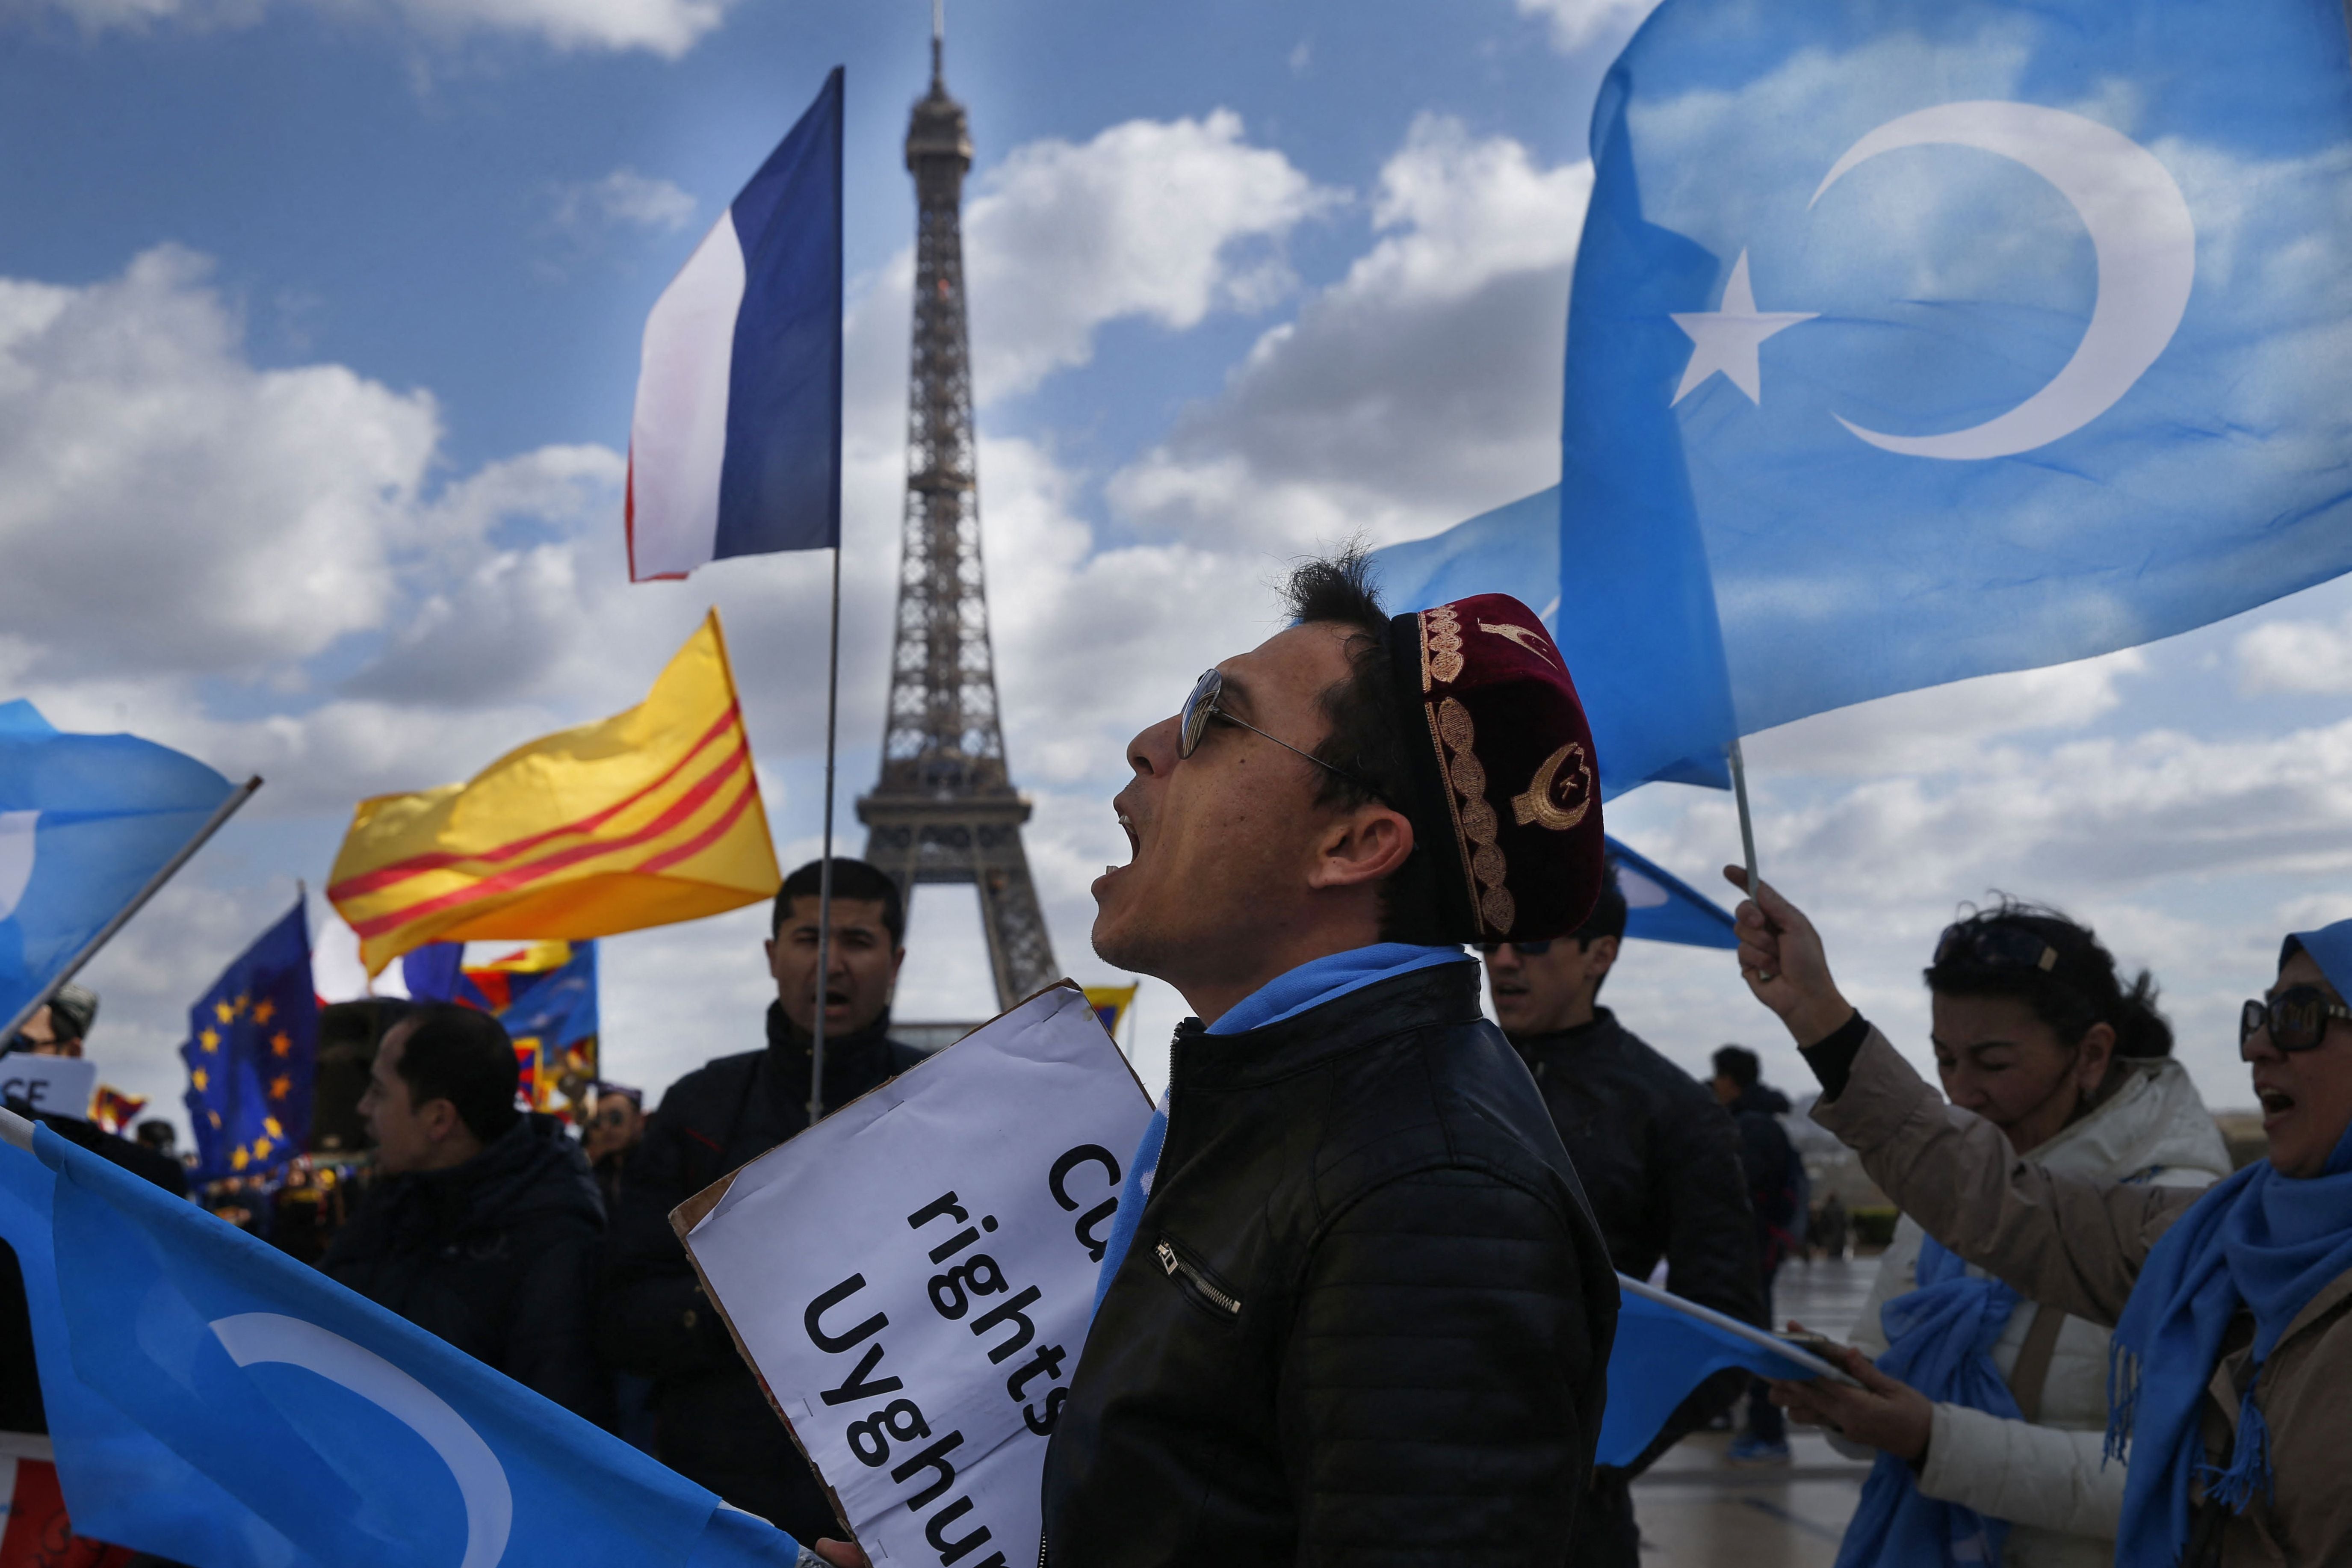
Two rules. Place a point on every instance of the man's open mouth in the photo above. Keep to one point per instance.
(1134, 843)
(2275, 1101)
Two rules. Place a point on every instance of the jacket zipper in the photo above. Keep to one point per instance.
(1173, 1264)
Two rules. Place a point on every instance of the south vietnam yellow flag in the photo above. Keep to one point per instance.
(650, 816)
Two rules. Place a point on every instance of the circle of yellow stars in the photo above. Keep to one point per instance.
(277, 1086)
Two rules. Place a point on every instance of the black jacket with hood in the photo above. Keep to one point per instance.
(712, 1422)
(1366, 1317)
(497, 1255)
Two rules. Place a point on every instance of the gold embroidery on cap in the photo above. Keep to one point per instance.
(1440, 646)
(1474, 819)
(1527, 638)
(1538, 806)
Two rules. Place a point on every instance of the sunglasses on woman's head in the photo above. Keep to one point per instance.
(1990, 946)
(2296, 1017)
(1202, 707)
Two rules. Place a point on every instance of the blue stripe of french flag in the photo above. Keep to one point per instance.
(735, 444)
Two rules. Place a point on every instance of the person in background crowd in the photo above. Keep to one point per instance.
(2075, 1069)
(615, 1127)
(1776, 1196)
(2231, 1372)
(483, 1224)
(1363, 1314)
(160, 1136)
(1827, 1231)
(1657, 1158)
(713, 1424)
(58, 1028)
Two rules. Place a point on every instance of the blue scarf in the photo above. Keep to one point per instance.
(2257, 1240)
(1939, 1340)
(1287, 994)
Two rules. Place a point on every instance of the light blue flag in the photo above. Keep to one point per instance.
(1665, 1347)
(1662, 907)
(1928, 339)
(212, 1401)
(84, 821)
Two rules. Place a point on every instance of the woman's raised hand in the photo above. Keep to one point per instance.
(1781, 958)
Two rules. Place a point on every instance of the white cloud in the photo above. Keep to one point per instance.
(1166, 220)
(664, 28)
(1577, 25)
(2296, 655)
(1420, 388)
(622, 198)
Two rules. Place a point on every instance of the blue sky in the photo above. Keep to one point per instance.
(317, 335)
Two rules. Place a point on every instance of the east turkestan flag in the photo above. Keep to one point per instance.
(650, 816)
(735, 447)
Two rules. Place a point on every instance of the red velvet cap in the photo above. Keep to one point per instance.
(1509, 792)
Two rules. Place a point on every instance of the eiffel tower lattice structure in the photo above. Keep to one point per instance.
(945, 809)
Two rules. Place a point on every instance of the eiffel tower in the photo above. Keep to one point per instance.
(945, 809)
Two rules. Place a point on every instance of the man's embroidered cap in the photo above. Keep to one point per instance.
(1506, 790)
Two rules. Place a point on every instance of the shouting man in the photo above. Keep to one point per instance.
(1363, 1314)
(713, 1424)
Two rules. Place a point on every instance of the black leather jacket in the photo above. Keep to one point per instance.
(712, 1424)
(1366, 1317)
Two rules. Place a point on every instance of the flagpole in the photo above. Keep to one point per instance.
(221, 814)
(1746, 823)
(825, 866)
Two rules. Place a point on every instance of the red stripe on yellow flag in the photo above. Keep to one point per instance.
(651, 816)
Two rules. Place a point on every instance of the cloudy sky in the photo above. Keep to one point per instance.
(318, 339)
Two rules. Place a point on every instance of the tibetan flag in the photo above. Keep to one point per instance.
(1110, 1004)
(545, 994)
(114, 1111)
(252, 1055)
(735, 447)
(651, 816)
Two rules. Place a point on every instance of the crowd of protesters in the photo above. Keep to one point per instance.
(2088, 1339)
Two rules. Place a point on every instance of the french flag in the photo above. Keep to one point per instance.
(735, 446)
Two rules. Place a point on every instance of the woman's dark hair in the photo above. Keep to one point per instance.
(2079, 988)
(1367, 738)
(464, 1056)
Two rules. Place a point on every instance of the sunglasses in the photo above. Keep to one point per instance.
(1995, 947)
(2296, 1017)
(1524, 949)
(1202, 707)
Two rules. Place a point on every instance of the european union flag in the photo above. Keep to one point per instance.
(85, 820)
(252, 1052)
(1915, 340)
(212, 1401)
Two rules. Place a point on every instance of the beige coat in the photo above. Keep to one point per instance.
(2077, 1243)
(2047, 1476)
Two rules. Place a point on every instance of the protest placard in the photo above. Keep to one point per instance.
(56, 1086)
(912, 1277)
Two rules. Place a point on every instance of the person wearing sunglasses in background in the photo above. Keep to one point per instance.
(1990, 1417)
(2230, 1392)
(1659, 1159)
(614, 1130)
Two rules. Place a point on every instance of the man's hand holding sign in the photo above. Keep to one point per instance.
(912, 1277)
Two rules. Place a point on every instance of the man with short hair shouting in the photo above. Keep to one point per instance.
(1363, 1315)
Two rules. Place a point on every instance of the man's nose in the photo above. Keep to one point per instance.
(1154, 750)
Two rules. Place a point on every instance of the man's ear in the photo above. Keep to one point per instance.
(1366, 846)
(440, 1118)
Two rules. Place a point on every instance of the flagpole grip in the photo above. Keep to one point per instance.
(221, 814)
(1746, 823)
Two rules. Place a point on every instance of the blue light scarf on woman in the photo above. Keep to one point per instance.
(2257, 1240)
(1312, 983)
(1939, 1340)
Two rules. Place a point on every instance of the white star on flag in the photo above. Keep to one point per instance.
(1725, 339)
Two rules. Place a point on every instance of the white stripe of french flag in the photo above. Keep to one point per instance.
(735, 444)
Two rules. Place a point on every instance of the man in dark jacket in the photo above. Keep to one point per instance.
(1775, 1192)
(1657, 1156)
(1363, 1314)
(483, 1224)
(713, 1425)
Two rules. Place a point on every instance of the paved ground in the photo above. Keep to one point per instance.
(1698, 1511)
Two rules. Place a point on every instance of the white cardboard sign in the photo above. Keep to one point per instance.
(61, 1086)
(913, 1277)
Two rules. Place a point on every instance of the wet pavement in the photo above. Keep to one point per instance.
(1697, 1509)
